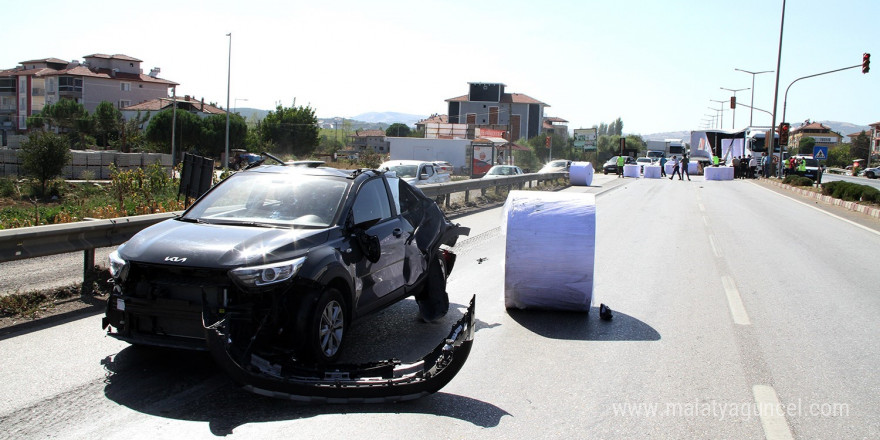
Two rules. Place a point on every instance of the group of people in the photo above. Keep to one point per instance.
(744, 167)
(679, 167)
(795, 165)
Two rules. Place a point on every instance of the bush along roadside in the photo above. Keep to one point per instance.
(851, 192)
(794, 180)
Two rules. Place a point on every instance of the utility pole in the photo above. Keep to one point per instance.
(228, 78)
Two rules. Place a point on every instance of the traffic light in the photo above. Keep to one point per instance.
(866, 62)
(783, 133)
(733, 102)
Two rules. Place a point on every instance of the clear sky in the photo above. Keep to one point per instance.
(655, 64)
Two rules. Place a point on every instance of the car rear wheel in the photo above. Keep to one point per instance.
(325, 327)
(870, 175)
(433, 300)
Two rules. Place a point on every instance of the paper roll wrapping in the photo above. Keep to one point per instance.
(652, 171)
(550, 250)
(631, 171)
(581, 173)
(718, 173)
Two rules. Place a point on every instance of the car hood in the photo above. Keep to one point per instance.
(217, 246)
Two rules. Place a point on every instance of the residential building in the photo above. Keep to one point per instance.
(487, 105)
(361, 140)
(184, 104)
(558, 126)
(26, 89)
(822, 134)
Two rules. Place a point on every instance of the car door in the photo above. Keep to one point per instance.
(380, 278)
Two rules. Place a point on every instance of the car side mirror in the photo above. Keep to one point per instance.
(369, 243)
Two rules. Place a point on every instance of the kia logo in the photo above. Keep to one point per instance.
(175, 259)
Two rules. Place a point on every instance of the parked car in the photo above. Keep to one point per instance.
(241, 160)
(556, 166)
(812, 166)
(416, 172)
(444, 167)
(611, 164)
(287, 257)
(872, 173)
(503, 171)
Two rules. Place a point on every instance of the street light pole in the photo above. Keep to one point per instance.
(228, 78)
(721, 110)
(733, 107)
(753, 88)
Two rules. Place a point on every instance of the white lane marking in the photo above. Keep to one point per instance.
(702, 208)
(772, 413)
(820, 210)
(734, 301)
(706, 220)
(714, 248)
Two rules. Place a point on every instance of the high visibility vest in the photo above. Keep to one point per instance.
(802, 166)
(620, 161)
(715, 160)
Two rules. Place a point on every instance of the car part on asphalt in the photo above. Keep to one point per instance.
(231, 342)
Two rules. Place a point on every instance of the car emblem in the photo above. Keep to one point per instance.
(175, 259)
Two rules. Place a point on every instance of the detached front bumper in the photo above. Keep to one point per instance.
(374, 382)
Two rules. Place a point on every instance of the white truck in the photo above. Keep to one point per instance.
(665, 148)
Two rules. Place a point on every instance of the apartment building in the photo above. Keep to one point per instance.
(487, 105)
(26, 89)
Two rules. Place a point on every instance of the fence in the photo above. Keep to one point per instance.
(93, 163)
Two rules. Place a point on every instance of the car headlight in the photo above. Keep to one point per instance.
(267, 274)
(117, 265)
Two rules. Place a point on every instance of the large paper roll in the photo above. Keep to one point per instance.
(581, 173)
(631, 171)
(718, 173)
(550, 250)
(652, 172)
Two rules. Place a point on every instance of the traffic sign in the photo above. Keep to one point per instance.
(820, 153)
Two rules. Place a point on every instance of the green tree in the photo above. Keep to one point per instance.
(44, 156)
(108, 122)
(398, 129)
(292, 130)
(805, 146)
(860, 146)
(839, 156)
(213, 139)
(187, 131)
(66, 114)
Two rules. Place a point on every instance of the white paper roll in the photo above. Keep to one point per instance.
(550, 250)
(652, 172)
(581, 173)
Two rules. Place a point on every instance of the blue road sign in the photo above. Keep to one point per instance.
(820, 153)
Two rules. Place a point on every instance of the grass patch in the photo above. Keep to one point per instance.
(33, 305)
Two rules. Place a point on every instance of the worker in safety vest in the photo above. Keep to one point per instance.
(802, 166)
(620, 161)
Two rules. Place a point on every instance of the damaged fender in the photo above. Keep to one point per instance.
(373, 382)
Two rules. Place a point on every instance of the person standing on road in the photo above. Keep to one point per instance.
(620, 161)
(662, 166)
(684, 167)
(735, 167)
(753, 166)
(765, 165)
(675, 168)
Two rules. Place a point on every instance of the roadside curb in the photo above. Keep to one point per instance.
(852, 206)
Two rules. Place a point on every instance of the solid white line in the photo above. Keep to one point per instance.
(734, 301)
(714, 248)
(702, 208)
(706, 220)
(820, 210)
(772, 413)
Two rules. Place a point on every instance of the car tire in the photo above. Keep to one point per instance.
(870, 175)
(433, 300)
(326, 324)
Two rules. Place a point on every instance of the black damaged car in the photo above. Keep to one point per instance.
(270, 267)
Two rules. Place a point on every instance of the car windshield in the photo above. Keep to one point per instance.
(811, 162)
(404, 170)
(502, 171)
(271, 200)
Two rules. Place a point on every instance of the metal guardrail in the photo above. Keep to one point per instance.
(86, 236)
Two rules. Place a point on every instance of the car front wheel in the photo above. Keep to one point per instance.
(325, 327)
(870, 175)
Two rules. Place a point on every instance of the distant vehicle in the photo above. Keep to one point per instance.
(556, 166)
(665, 148)
(241, 160)
(444, 167)
(416, 172)
(872, 173)
(611, 165)
(503, 171)
(642, 161)
(813, 169)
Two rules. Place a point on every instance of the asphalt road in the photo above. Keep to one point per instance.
(727, 297)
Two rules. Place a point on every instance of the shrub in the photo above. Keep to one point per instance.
(870, 194)
(797, 181)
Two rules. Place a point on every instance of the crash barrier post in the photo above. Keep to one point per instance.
(449, 188)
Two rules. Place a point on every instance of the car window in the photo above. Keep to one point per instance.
(371, 202)
(429, 170)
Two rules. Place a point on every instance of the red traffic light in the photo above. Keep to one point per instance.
(783, 133)
(866, 62)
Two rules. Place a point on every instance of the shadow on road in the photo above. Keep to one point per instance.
(584, 326)
(188, 385)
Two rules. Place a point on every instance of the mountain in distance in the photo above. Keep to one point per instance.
(389, 118)
(247, 113)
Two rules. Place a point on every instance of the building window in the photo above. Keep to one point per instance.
(125, 86)
(70, 84)
(7, 85)
(7, 103)
(123, 103)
